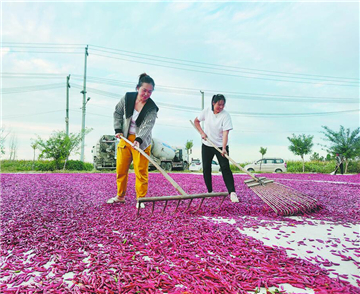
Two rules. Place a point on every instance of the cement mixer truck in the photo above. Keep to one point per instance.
(168, 157)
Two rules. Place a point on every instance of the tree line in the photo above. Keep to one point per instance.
(60, 146)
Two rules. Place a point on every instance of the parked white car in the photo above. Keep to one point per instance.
(196, 166)
(277, 165)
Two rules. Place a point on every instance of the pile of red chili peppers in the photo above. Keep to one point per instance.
(59, 236)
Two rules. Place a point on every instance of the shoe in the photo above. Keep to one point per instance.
(233, 197)
(116, 199)
(142, 205)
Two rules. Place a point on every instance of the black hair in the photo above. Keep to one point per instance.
(144, 78)
(217, 98)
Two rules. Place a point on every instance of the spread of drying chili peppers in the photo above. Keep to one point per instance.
(59, 236)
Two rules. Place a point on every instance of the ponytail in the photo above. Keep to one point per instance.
(144, 78)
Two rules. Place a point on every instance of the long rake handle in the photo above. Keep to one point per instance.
(172, 182)
(227, 156)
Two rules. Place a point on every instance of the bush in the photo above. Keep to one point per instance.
(325, 167)
(234, 168)
(11, 166)
(78, 165)
(45, 165)
(354, 166)
(15, 165)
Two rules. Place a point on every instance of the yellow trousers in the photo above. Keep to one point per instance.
(125, 155)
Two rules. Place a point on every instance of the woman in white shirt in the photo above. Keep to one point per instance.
(217, 124)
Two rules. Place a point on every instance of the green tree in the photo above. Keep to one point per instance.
(189, 144)
(344, 142)
(301, 145)
(59, 146)
(316, 157)
(263, 152)
(328, 157)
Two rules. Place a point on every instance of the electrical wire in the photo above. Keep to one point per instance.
(257, 114)
(217, 65)
(8, 75)
(326, 113)
(242, 96)
(57, 52)
(223, 68)
(31, 114)
(14, 90)
(226, 74)
(251, 73)
(190, 91)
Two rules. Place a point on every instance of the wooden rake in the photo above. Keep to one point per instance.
(282, 199)
(179, 198)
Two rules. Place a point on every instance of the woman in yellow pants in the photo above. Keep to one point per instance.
(134, 119)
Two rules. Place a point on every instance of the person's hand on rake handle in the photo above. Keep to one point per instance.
(136, 144)
(118, 135)
(223, 152)
(203, 136)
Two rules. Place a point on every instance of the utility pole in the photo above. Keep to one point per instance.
(67, 105)
(83, 108)
(202, 106)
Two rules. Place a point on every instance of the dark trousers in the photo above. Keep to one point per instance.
(207, 157)
(341, 166)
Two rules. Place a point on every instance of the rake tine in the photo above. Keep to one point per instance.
(177, 205)
(187, 208)
(221, 202)
(202, 200)
(152, 209)
(164, 206)
(138, 211)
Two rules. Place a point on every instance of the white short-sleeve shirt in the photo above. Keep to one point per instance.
(215, 125)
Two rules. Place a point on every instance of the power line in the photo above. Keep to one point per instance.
(32, 114)
(8, 75)
(23, 89)
(217, 65)
(179, 90)
(293, 114)
(258, 114)
(326, 80)
(168, 59)
(43, 47)
(57, 52)
(45, 44)
(227, 68)
(243, 96)
(225, 74)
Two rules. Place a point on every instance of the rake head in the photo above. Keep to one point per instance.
(283, 199)
(180, 198)
(259, 181)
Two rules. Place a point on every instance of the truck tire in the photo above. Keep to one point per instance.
(185, 166)
(163, 165)
(168, 166)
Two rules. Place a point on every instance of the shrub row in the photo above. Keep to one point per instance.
(325, 167)
(43, 165)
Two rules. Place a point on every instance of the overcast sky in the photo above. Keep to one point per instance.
(285, 68)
